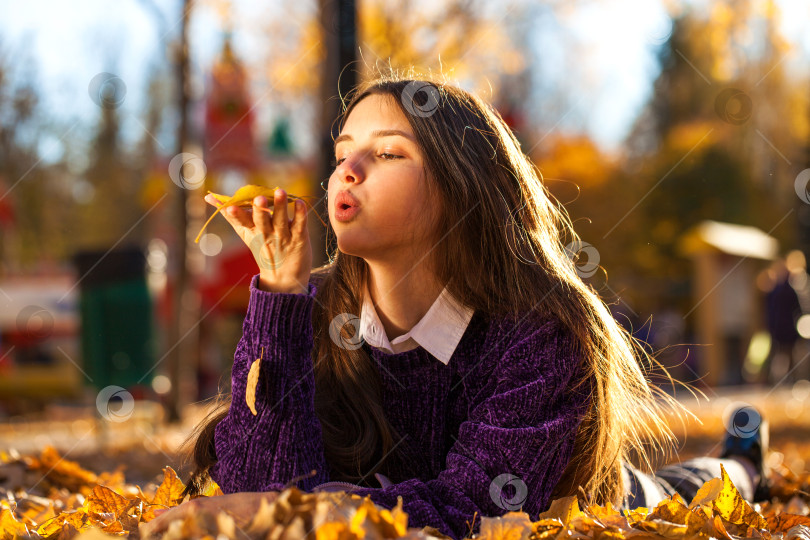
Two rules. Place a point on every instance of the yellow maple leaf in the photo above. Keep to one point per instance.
(170, 492)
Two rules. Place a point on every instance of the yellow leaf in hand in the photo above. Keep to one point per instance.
(244, 197)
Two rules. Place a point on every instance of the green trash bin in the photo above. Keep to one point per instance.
(116, 319)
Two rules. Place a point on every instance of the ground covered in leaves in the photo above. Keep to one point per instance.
(80, 504)
(114, 490)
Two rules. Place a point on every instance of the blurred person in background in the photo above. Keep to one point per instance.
(783, 308)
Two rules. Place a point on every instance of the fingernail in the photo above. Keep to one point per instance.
(160, 511)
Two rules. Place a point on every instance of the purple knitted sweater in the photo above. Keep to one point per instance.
(490, 432)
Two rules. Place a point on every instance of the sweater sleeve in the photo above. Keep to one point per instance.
(513, 447)
(263, 452)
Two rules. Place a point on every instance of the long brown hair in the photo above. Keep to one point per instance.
(475, 162)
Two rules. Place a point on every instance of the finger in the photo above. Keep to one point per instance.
(260, 218)
(280, 218)
(299, 225)
(239, 219)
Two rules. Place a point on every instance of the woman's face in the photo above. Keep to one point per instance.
(384, 173)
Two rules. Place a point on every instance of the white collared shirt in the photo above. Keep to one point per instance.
(438, 332)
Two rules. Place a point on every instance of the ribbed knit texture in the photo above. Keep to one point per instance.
(502, 406)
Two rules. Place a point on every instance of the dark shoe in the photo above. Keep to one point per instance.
(747, 435)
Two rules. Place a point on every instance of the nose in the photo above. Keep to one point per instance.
(350, 170)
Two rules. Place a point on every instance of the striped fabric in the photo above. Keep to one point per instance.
(686, 478)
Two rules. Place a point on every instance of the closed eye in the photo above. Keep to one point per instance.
(385, 155)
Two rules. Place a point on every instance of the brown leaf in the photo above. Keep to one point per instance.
(77, 519)
(104, 500)
(67, 532)
(718, 529)
(114, 527)
(783, 522)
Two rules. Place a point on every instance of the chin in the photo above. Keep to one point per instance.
(354, 243)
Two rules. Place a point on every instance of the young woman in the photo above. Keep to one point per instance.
(479, 373)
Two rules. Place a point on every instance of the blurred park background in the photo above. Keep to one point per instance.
(676, 134)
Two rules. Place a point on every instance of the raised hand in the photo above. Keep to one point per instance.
(280, 245)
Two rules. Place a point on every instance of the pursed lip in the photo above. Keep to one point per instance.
(344, 198)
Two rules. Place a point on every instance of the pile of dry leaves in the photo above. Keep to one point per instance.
(77, 503)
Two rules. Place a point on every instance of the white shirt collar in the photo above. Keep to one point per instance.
(438, 332)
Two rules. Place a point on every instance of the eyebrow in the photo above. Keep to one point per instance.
(378, 133)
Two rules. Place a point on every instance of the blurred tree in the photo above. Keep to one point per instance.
(28, 198)
(718, 140)
(401, 35)
(109, 215)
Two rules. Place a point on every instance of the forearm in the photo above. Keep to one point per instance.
(282, 440)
